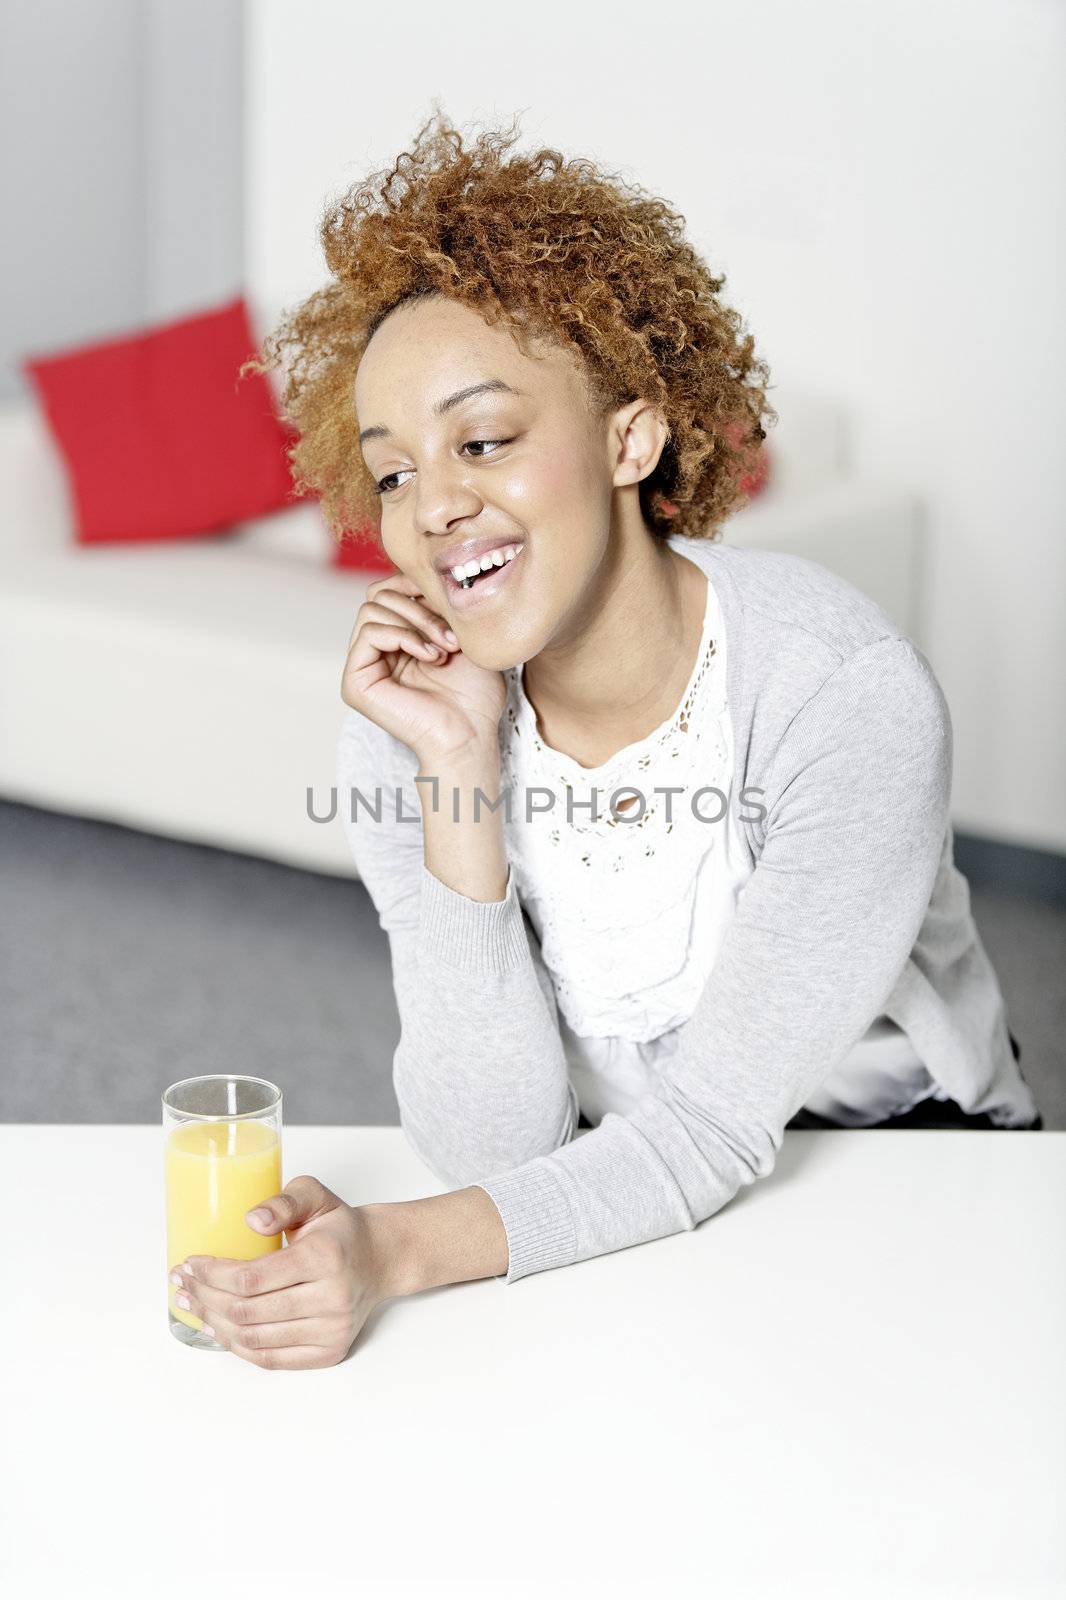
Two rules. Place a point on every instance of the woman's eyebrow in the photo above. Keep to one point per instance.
(490, 385)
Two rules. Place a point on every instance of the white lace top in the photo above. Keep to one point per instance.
(631, 908)
(651, 884)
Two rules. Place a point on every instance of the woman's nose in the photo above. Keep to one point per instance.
(443, 497)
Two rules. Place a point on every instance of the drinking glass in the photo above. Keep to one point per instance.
(222, 1156)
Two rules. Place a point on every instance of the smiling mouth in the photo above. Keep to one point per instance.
(473, 587)
(468, 573)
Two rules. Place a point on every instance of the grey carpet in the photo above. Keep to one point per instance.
(129, 961)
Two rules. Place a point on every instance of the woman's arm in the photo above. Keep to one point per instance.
(480, 1074)
(857, 798)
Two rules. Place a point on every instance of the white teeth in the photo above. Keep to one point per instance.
(495, 558)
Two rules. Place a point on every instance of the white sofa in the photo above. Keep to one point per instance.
(192, 688)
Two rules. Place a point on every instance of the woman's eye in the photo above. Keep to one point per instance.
(388, 483)
(493, 443)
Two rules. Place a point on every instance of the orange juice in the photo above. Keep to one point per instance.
(215, 1172)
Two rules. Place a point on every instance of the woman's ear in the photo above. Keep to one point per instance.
(638, 435)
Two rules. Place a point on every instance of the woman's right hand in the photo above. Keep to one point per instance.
(438, 704)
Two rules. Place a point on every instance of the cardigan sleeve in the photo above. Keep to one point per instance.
(857, 802)
(480, 1075)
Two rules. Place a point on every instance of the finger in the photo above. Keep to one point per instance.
(414, 611)
(436, 630)
(414, 605)
(395, 581)
(392, 580)
(300, 1301)
(278, 1335)
(301, 1201)
(291, 1356)
(381, 638)
(330, 1328)
(280, 1269)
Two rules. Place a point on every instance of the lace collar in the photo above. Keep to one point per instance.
(520, 723)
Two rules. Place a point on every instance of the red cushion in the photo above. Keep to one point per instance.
(361, 552)
(754, 481)
(161, 437)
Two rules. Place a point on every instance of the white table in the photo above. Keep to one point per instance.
(851, 1382)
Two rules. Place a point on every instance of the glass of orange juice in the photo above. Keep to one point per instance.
(221, 1157)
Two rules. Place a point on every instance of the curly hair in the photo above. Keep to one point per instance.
(551, 247)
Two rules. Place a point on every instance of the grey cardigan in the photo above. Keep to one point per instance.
(854, 910)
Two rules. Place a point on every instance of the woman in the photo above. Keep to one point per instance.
(722, 900)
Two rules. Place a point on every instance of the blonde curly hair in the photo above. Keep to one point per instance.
(551, 247)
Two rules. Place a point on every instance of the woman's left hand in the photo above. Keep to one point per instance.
(297, 1307)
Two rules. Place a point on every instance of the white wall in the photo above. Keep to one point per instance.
(70, 176)
(883, 186)
(120, 168)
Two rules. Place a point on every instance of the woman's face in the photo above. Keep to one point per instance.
(476, 446)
